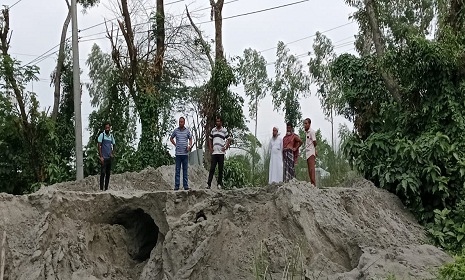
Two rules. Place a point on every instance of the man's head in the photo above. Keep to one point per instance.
(107, 127)
(219, 122)
(275, 131)
(307, 123)
(182, 122)
(289, 127)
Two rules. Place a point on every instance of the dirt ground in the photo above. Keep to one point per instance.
(142, 229)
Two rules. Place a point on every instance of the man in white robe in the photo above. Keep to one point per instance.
(276, 160)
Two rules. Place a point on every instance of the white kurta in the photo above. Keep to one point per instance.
(276, 161)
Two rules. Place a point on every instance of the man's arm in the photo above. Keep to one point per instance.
(314, 139)
(172, 137)
(298, 142)
(100, 148)
(210, 144)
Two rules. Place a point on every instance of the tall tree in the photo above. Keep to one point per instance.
(221, 78)
(319, 66)
(253, 75)
(289, 85)
(114, 105)
(56, 75)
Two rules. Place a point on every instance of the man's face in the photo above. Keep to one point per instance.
(275, 132)
(289, 128)
(306, 125)
(218, 122)
(107, 128)
(181, 122)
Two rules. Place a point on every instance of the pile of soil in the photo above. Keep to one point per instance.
(142, 229)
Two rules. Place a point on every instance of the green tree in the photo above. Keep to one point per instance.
(319, 66)
(405, 97)
(289, 85)
(108, 95)
(253, 75)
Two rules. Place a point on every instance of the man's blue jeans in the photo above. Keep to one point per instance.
(184, 161)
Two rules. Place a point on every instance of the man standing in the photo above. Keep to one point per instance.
(219, 142)
(291, 145)
(182, 135)
(310, 149)
(276, 159)
(106, 149)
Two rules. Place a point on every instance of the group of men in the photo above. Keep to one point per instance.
(284, 153)
(219, 142)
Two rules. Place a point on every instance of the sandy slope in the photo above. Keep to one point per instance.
(141, 229)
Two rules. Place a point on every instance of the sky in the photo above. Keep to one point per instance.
(36, 28)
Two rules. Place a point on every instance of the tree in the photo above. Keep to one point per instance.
(221, 78)
(289, 85)
(114, 105)
(56, 75)
(323, 55)
(412, 148)
(26, 129)
(252, 73)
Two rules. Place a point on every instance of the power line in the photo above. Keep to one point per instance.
(308, 37)
(44, 54)
(15, 3)
(267, 9)
(230, 17)
(101, 23)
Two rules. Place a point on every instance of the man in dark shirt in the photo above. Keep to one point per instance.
(106, 149)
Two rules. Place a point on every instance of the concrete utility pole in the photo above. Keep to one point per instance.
(77, 94)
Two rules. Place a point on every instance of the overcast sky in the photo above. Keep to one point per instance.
(37, 24)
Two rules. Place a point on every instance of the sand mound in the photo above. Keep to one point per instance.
(141, 229)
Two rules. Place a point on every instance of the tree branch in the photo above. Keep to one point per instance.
(60, 60)
(390, 82)
(202, 41)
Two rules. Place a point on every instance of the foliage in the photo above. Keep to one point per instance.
(252, 74)
(290, 84)
(227, 103)
(319, 67)
(261, 263)
(235, 172)
(453, 271)
(107, 93)
(413, 148)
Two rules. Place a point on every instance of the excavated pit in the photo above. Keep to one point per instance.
(142, 232)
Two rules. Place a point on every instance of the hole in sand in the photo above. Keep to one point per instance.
(142, 232)
(199, 215)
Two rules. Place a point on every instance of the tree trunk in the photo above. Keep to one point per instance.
(389, 80)
(456, 16)
(217, 12)
(9, 71)
(61, 58)
(254, 149)
(160, 40)
(212, 101)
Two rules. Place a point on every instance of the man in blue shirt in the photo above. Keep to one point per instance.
(106, 149)
(182, 136)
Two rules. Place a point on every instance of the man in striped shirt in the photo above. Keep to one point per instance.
(182, 136)
(219, 142)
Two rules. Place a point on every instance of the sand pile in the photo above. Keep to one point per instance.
(141, 229)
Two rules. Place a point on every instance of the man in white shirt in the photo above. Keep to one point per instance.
(310, 149)
(276, 158)
(218, 143)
